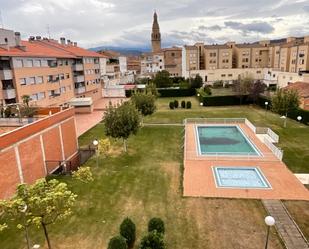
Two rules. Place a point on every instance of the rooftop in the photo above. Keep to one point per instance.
(301, 87)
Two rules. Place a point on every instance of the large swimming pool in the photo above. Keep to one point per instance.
(240, 177)
(223, 140)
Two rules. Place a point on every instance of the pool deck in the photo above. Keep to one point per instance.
(199, 180)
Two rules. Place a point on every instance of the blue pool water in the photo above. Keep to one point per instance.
(225, 140)
(240, 177)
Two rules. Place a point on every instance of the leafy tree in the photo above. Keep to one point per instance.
(162, 79)
(117, 242)
(172, 105)
(26, 99)
(151, 89)
(156, 224)
(145, 103)
(121, 122)
(285, 101)
(176, 103)
(83, 174)
(197, 82)
(184, 84)
(242, 86)
(153, 240)
(128, 231)
(104, 146)
(46, 203)
(256, 89)
(27, 111)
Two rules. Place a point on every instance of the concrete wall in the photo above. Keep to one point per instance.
(25, 150)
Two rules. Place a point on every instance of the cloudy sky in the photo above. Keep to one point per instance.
(127, 23)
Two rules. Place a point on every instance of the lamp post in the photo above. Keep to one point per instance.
(299, 118)
(95, 143)
(24, 210)
(266, 105)
(269, 221)
(36, 246)
(284, 117)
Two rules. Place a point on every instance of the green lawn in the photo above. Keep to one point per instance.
(147, 182)
(294, 140)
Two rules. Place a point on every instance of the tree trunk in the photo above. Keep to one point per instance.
(27, 237)
(46, 236)
(125, 145)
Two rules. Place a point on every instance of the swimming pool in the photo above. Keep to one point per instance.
(224, 140)
(240, 177)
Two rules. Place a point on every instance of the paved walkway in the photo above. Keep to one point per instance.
(287, 228)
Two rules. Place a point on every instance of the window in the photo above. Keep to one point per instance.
(230, 75)
(34, 97)
(258, 72)
(37, 63)
(22, 81)
(61, 76)
(31, 81)
(60, 63)
(41, 95)
(67, 75)
(29, 63)
(19, 63)
(173, 54)
(222, 75)
(66, 62)
(39, 80)
(62, 89)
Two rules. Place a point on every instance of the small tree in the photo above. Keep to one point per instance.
(83, 174)
(128, 231)
(153, 240)
(26, 99)
(151, 89)
(176, 103)
(156, 224)
(197, 82)
(183, 104)
(242, 86)
(117, 242)
(162, 79)
(122, 122)
(256, 89)
(145, 103)
(189, 105)
(104, 146)
(44, 202)
(172, 105)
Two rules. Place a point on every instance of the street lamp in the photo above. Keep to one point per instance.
(266, 105)
(284, 117)
(201, 104)
(198, 95)
(269, 221)
(36, 246)
(299, 118)
(95, 143)
(24, 210)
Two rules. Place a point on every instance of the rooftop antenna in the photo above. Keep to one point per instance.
(48, 31)
(1, 21)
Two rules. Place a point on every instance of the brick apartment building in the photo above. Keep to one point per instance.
(50, 72)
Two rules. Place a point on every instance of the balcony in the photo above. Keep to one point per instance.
(80, 89)
(78, 67)
(6, 74)
(9, 93)
(79, 78)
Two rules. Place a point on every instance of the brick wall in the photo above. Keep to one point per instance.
(23, 151)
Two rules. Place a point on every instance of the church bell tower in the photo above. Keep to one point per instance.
(155, 35)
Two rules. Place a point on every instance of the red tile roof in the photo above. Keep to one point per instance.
(301, 87)
(35, 49)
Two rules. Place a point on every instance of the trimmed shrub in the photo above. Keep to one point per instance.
(153, 240)
(189, 105)
(183, 104)
(117, 242)
(128, 231)
(176, 103)
(172, 92)
(156, 224)
(224, 100)
(172, 105)
(207, 90)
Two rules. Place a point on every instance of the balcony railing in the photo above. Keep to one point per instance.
(9, 93)
(79, 78)
(6, 74)
(80, 90)
(78, 67)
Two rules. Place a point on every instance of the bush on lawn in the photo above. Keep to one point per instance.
(176, 103)
(189, 105)
(117, 242)
(153, 240)
(183, 104)
(156, 224)
(128, 231)
(172, 105)
(207, 90)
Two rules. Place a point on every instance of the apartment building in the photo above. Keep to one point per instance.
(216, 57)
(172, 60)
(51, 73)
(152, 63)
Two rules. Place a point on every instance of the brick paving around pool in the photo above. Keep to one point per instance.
(199, 180)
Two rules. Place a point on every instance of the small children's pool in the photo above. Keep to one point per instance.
(224, 140)
(240, 177)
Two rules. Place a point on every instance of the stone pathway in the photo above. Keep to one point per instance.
(286, 227)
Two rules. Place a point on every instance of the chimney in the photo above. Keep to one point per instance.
(62, 40)
(31, 38)
(75, 44)
(38, 38)
(17, 39)
(69, 42)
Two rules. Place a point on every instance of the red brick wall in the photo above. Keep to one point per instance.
(28, 141)
(9, 173)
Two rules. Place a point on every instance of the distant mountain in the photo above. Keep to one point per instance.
(124, 51)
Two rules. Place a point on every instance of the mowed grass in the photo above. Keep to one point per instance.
(146, 183)
(294, 139)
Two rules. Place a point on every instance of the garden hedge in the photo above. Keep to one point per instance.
(176, 92)
(224, 100)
